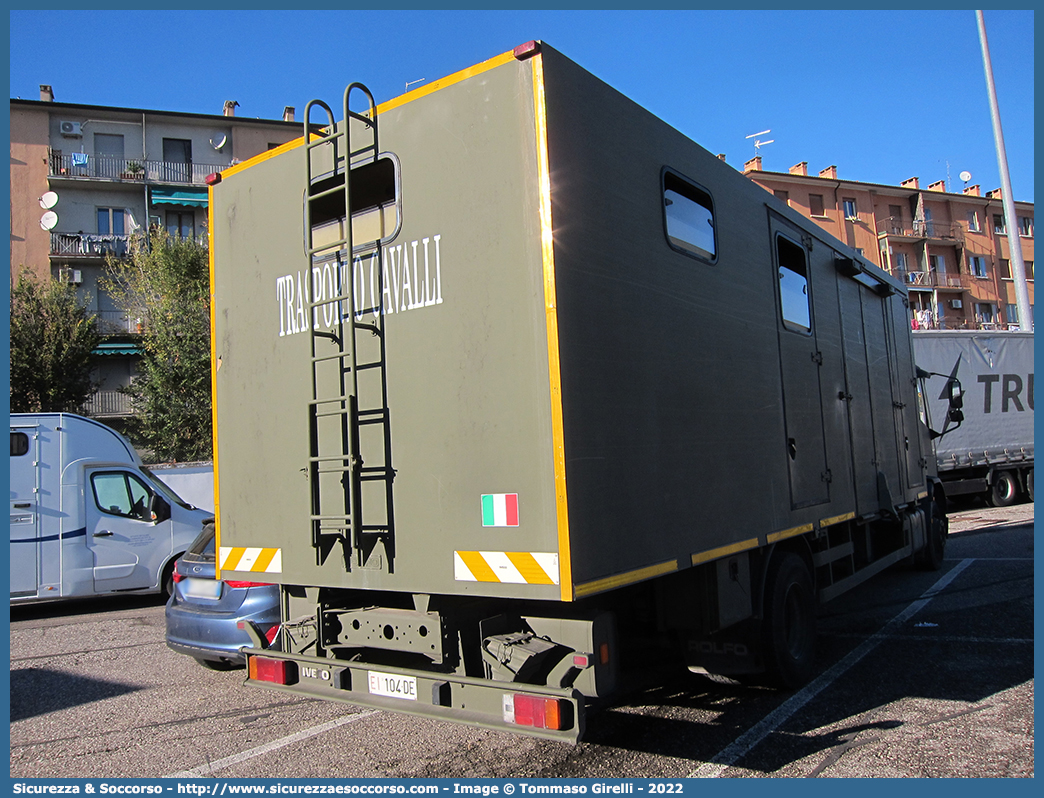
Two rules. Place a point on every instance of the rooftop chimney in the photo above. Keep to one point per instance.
(753, 165)
(721, 156)
(46, 93)
(288, 113)
(829, 172)
(973, 191)
(911, 182)
(938, 185)
(800, 169)
(230, 107)
(995, 194)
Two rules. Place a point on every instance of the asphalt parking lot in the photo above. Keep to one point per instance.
(920, 675)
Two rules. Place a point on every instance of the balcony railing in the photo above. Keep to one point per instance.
(930, 279)
(939, 231)
(116, 322)
(88, 245)
(104, 167)
(107, 403)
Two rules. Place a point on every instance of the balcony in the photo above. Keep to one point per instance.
(117, 322)
(129, 170)
(891, 227)
(88, 245)
(107, 404)
(931, 279)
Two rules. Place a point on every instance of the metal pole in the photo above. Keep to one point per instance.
(1018, 267)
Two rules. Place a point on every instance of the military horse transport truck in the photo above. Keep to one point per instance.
(521, 393)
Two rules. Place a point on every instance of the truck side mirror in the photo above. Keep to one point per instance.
(956, 397)
(159, 509)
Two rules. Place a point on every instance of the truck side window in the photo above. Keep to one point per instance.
(793, 286)
(19, 444)
(121, 493)
(688, 217)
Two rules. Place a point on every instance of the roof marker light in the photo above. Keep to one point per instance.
(527, 50)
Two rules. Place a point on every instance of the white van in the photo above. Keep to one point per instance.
(86, 518)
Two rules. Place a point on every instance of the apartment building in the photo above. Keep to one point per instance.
(84, 178)
(951, 250)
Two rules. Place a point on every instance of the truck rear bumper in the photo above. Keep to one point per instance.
(549, 713)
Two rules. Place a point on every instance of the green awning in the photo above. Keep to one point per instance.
(116, 349)
(185, 196)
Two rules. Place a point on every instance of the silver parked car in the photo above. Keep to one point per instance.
(204, 613)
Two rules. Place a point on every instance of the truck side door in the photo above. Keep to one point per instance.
(25, 516)
(128, 546)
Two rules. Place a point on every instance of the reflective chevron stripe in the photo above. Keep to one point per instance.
(256, 560)
(514, 567)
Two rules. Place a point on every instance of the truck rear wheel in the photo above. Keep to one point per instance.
(1004, 490)
(1029, 484)
(789, 632)
(930, 558)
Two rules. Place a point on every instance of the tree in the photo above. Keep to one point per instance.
(165, 281)
(52, 337)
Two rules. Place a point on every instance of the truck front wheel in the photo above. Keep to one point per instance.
(1004, 490)
(789, 630)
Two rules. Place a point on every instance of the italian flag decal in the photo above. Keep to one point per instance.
(500, 509)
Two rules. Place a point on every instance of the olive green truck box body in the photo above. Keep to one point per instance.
(607, 356)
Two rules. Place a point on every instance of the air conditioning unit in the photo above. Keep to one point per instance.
(71, 129)
(76, 277)
(956, 304)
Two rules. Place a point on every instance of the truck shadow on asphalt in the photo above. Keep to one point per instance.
(37, 691)
(944, 663)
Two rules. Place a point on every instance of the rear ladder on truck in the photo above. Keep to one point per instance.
(349, 463)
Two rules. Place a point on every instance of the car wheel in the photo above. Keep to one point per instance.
(218, 664)
(167, 580)
(1005, 490)
(789, 633)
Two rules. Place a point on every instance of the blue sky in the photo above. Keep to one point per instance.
(883, 95)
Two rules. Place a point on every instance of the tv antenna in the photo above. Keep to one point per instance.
(411, 82)
(758, 143)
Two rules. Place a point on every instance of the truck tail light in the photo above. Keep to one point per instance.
(276, 671)
(538, 712)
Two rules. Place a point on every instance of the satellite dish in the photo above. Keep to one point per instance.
(217, 141)
(49, 220)
(965, 176)
(49, 199)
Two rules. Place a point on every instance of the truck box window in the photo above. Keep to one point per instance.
(793, 286)
(688, 217)
(19, 444)
(374, 204)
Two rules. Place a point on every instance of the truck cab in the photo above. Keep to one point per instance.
(86, 518)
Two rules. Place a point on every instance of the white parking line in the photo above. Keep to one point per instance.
(743, 744)
(210, 768)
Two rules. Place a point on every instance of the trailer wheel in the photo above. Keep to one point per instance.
(1005, 489)
(790, 621)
